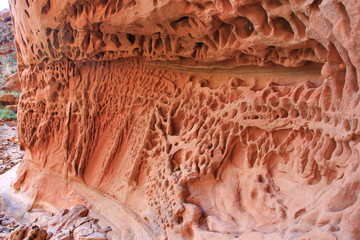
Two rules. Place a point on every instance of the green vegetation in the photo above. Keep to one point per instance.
(15, 93)
(7, 113)
(11, 59)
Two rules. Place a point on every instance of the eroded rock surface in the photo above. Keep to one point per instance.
(196, 119)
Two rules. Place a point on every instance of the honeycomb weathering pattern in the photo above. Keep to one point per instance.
(216, 119)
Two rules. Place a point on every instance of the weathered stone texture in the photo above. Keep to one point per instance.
(201, 119)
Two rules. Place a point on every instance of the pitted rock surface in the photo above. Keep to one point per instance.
(197, 119)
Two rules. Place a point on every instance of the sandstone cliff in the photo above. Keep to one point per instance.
(195, 119)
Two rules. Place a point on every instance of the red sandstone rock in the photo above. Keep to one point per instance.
(7, 99)
(13, 83)
(196, 119)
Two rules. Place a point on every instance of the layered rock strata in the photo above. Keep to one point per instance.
(195, 119)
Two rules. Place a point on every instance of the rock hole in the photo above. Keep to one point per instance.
(181, 22)
(243, 27)
(55, 39)
(132, 3)
(27, 14)
(331, 145)
(103, 3)
(261, 179)
(315, 5)
(99, 56)
(346, 125)
(200, 6)
(252, 155)
(258, 16)
(46, 8)
(274, 102)
(48, 31)
(283, 113)
(299, 213)
(114, 38)
(204, 83)
(235, 82)
(179, 220)
(243, 107)
(271, 4)
(299, 25)
(130, 38)
(216, 36)
(282, 29)
(119, 5)
(297, 93)
(86, 41)
(223, 33)
(158, 44)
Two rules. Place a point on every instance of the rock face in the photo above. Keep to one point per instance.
(13, 83)
(7, 47)
(7, 99)
(194, 119)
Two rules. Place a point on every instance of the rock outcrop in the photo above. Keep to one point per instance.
(193, 119)
(7, 47)
(7, 99)
(13, 83)
(73, 224)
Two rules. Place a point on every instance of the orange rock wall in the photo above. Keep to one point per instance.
(207, 119)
